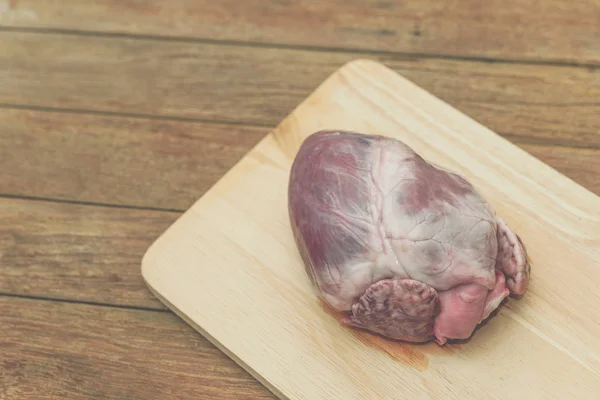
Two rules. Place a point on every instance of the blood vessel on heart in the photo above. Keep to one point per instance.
(404, 248)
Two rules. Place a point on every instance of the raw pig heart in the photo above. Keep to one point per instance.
(406, 249)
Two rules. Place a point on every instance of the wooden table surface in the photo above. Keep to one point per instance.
(108, 110)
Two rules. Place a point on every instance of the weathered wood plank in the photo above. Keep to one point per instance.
(549, 30)
(76, 252)
(127, 161)
(159, 164)
(262, 85)
(62, 350)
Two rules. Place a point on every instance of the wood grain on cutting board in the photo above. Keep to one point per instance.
(229, 265)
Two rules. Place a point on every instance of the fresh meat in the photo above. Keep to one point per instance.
(406, 249)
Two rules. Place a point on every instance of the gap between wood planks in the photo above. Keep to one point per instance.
(89, 203)
(132, 115)
(89, 303)
(333, 49)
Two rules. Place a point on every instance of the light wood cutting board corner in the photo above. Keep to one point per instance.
(228, 266)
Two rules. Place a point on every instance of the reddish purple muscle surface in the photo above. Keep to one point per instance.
(404, 248)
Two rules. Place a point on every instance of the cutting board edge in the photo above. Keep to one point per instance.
(210, 338)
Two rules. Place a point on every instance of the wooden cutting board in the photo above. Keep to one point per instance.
(229, 266)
